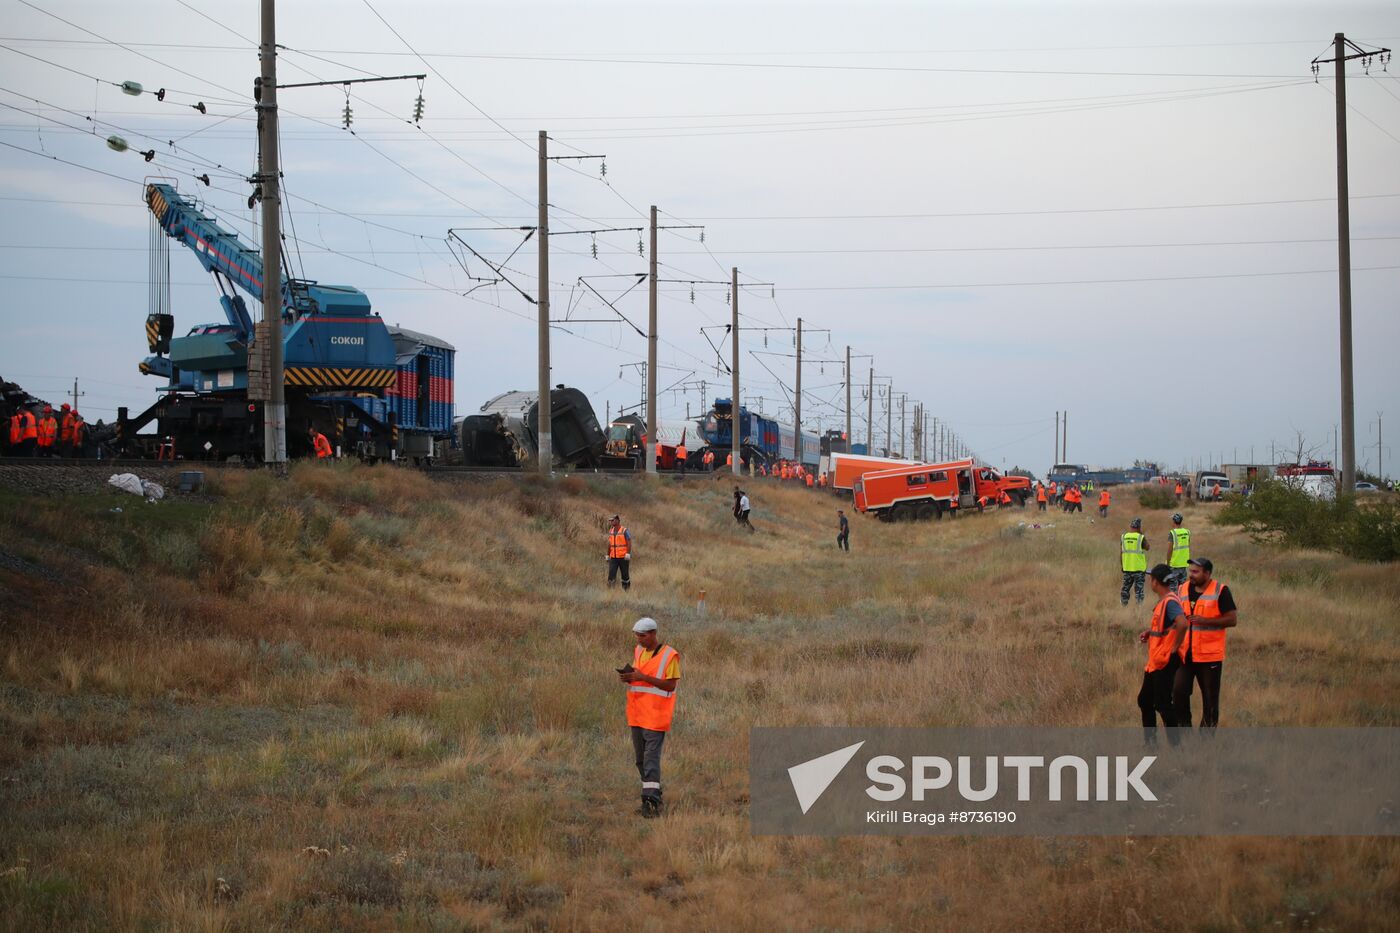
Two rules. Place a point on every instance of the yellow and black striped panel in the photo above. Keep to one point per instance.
(152, 335)
(156, 200)
(331, 377)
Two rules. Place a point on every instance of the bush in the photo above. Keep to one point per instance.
(1279, 513)
(1157, 497)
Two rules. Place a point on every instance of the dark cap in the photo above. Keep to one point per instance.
(1160, 573)
(1135, 523)
(1204, 563)
(615, 518)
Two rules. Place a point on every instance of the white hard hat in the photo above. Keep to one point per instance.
(644, 624)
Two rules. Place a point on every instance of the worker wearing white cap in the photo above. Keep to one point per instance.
(651, 698)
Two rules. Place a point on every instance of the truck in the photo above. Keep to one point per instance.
(503, 434)
(1248, 474)
(842, 470)
(375, 391)
(927, 490)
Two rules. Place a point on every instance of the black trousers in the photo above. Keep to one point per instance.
(1155, 697)
(843, 540)
(647, 745)
(1041, 504)
(619, 563)
(1207, 674)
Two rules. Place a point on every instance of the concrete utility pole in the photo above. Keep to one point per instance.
(734, 392)
(1064, 439)
(903, 449)
(1339, 58)
(1056, 458)
(275, 411)
(1381, 472)
(544, 420)
(649, 448)
(849, 438)
(870, 415)
(889, 418)
(797, 402)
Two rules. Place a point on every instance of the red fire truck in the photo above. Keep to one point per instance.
(927, 490)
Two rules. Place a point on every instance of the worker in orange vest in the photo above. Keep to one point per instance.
(707, 460)
(65, 430)
(1178, 490)
(28, 432)
(319, 445)
(1040, 496)
(681, 454)
(953, 504)
(1103, 503)
(1210, 610)
(78, 441)
(16, 437)
(1163, 638)
(808, 478)
(619, 553)
(729, 459)
(651, 681)
(1003, 500)
(48, 433)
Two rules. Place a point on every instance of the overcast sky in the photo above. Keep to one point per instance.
(1123, 210)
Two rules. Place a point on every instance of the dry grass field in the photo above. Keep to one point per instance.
(366, 698)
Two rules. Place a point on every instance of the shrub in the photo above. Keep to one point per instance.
(1157, 497)
(1279, 513)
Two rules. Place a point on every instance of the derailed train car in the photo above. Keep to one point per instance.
(505, 433)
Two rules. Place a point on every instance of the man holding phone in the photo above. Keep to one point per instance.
(651, 698)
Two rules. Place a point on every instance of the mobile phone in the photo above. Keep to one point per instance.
(624, 670)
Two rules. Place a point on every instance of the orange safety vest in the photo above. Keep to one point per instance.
(1178, 489)
(79, 425)
(322, 446)
(617, 542)
(1103, 499)
(1004, 500)
(1053, 488)
(48, 430)
(680, 452)
(808, 477)
(65, 431)
(16, 432)
(1039, 493)
(953, 502)
(1204, 640)
(647, 706)
(30, 429)
(729, 460)
(1158, 652)
(1216, 493)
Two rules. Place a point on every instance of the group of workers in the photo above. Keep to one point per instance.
(46, 434)
(1186, 637)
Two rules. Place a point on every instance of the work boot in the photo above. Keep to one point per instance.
(651, 808)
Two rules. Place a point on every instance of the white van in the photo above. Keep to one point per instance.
(1207, 480)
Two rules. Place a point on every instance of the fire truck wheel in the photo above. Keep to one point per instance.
(903, 513)
(925, 512)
